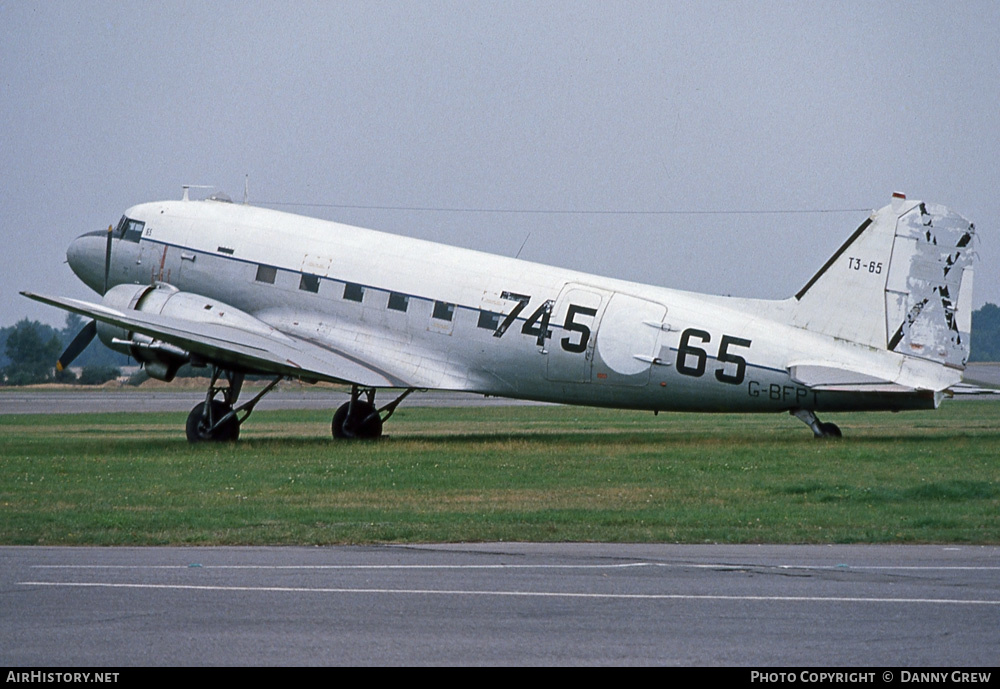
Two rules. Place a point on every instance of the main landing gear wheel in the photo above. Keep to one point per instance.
(202, 427)
(219, 420)
(357, 420)
(360, 419)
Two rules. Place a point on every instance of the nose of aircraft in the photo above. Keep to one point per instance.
(86, 256)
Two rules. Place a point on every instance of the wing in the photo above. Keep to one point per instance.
(242, 342)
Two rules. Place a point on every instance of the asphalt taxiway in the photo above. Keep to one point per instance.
(103, 400)
(501, 604)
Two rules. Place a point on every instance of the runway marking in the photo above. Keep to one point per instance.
(895, 567)
(728, 566)
(531, 594)
(348, 567)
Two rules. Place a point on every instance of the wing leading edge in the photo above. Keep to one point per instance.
(266, 349)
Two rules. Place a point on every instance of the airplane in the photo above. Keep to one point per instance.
(883, 325)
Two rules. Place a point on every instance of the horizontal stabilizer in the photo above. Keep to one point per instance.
(870, 388)
(906, 373)
(816, 375)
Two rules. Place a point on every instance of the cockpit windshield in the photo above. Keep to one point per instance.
(129, 230)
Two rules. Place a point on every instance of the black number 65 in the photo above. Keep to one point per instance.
(686, 351)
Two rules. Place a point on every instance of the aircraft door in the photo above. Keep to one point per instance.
(628, 343)
(575, 317)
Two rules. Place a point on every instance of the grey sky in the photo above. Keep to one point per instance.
(552, 106)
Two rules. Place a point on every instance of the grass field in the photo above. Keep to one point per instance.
(508, 473)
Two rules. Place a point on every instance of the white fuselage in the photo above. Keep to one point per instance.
(435, 316)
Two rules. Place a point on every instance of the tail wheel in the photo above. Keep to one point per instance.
(360, 421)
(200, 427)
(830, 430)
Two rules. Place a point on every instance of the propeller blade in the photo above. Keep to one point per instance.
(78, 344)
(107, 262)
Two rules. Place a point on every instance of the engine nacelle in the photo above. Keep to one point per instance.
(161, 359)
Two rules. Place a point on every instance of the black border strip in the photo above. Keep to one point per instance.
(864, 226)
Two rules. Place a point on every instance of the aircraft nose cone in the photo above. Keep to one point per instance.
(86, 257)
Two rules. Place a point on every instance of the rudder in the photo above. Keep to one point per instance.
(928, 295)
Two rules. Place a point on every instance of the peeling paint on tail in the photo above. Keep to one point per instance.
(928, 293)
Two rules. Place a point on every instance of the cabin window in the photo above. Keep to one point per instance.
(443, 311)
(309, 283)
(398, 302)
(489, 320)
(266, 274)
(353, 292)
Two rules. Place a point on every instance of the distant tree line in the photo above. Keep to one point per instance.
(29, 350)
(986, 334)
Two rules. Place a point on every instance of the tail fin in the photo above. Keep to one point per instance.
(902, 282)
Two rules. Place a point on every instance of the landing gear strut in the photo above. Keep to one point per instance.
(360, 419)
(216, 420)
(819, 429)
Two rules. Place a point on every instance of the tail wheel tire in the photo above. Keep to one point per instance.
(830, 430)
(199, 431)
